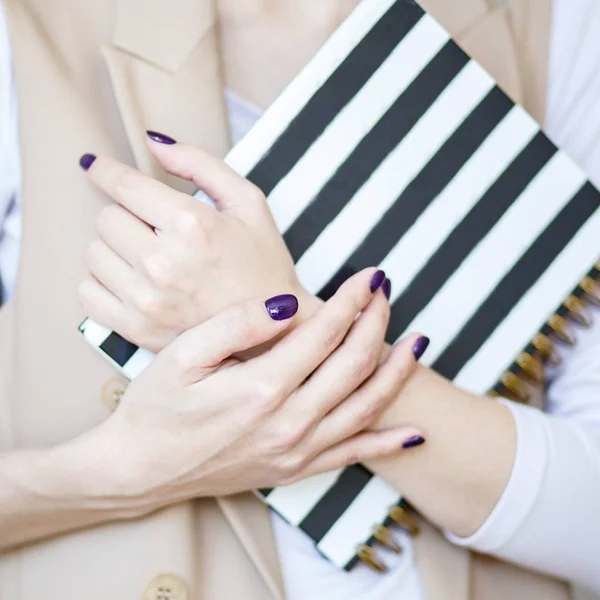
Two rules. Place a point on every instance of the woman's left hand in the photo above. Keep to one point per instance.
(165, 262)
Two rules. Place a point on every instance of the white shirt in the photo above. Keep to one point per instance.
(547, 517)
(10, 214)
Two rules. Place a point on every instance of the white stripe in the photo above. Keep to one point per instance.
(331, 55)
(442, 216)
(355, 120)
(370, 507)
(341, 237)
(294, 502)
(95, 334)
(531, 312)
(140, 360)
(489, 261)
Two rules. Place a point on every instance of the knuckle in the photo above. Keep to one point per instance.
(291, 466)
(363, 363)
(189, 224)
(125, 182)
(268, 396)
(159, 268)
(184, 358)
(254, 194)
(352, 457)
(367, 412)
(148, 303)
(285, 436)
(333, 334)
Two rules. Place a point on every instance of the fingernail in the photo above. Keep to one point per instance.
(386, 287)
(414, 441)
(280, 308)
(420, 347)
(86, 161)
(377, 280)
(161, 138)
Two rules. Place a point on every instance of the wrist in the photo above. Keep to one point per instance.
(94, 473)
(48, 491)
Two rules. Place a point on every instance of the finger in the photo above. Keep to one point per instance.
(201, 350)
(303, 350)
(231, 192)
(152, 201)
(362, 408)
(116, 275)
(101, 306)
(127, 235)
(361, 448)
(347, 368)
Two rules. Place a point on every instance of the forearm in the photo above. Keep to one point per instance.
(457, 477)
(45, 492)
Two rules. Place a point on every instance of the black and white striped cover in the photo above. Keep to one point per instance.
(393, 148)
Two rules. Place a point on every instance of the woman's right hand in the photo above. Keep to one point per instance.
(199, 423)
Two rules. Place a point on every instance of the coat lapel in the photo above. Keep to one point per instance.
(165, 72)
(530, 23)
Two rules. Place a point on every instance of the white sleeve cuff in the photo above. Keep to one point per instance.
(523, 486)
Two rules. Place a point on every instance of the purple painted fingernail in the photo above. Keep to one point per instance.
(86, 161)
(161, 138)
(412, 442)
(386, 288)
(280, 308)
(420, 346)
(377, 280)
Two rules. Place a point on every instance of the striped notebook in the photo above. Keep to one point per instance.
(393, 148)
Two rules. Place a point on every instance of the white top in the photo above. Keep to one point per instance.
(547, 517)
(10, 214)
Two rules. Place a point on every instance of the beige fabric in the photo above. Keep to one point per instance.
(92, 75)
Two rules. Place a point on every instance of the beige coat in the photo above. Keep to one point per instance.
(93, 75)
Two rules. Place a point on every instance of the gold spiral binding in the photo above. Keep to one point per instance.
(385, 536)
(514, 384)
(578, 310)
(532, 366)
(562, 329)
(404, 519)
(542, 343)
(368, 555)
(592, 288)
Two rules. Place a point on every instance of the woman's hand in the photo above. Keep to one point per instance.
(198, 422)
(166, 262)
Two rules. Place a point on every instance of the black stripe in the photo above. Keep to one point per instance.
(335, 502)
(335, 93)
(372, 150)
(472, 229)
(523, 275)
(264, 492)
(425, 187)
(119, 349)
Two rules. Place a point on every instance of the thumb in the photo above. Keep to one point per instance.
(230, 192)
(202, 350)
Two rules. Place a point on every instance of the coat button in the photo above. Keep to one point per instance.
(112, 392)
(166, 587)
